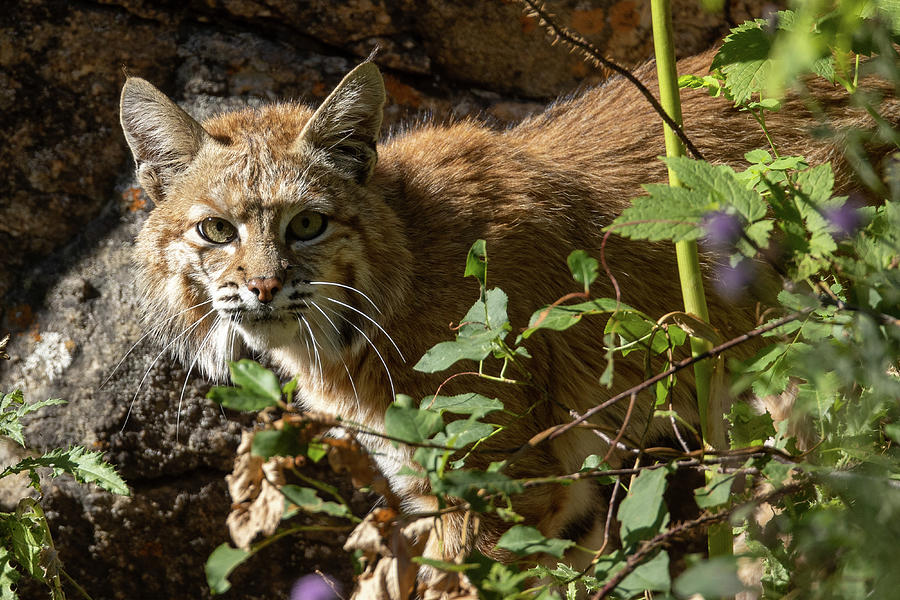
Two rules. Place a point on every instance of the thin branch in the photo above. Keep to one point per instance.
(559, 430)
(593, 54)
(650, 547)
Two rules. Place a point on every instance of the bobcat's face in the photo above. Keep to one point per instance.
(264, 234)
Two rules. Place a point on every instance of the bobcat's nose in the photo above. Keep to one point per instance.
(265, 288)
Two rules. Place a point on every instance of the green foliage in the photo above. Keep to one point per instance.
(220, 564)
(26, 546)
(257, 388)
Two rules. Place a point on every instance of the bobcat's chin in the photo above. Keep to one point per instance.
(263, 331)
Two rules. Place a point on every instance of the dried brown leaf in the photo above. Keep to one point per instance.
(257, 501)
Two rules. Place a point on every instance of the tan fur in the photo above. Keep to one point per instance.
(399, 230)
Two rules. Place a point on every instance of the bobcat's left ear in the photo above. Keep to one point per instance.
(344, 128)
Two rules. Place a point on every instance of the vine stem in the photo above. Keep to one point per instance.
(594, 55)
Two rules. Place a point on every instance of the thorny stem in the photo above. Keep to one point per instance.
(592, 53)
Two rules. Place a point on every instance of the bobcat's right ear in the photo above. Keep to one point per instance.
(163, 138)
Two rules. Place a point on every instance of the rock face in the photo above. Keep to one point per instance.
(69, 212)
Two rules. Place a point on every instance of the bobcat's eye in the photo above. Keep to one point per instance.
(216, 230)
(307, 225)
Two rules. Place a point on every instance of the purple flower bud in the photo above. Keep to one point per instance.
(732, 282)
(844, 219)
(723, 230)
(315, 587)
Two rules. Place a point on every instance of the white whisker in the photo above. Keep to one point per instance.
(188, 329)
(155, 329)
(315, 345)
(380, 357)
(191, 368)
(373, 321)
(337, 350)
(347, 287)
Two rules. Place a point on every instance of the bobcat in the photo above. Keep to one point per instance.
(297, 234)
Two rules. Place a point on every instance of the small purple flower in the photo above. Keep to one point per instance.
(723, 230)
(732, 282)
(315, 587)
(845, 220)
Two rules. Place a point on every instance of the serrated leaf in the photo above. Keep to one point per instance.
(747, 427)
(411, 424)
(643, 513)
(462, 433)
(524, 540)
(219, 566)
(84, 466)
(495, 301)
(668, 213)
(744, 60)
(720, 184)
(583, 268)
(91, 468)
(307, 499)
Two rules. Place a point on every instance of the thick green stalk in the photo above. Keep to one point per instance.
(720, 539)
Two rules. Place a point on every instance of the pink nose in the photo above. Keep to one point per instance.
(265, 288)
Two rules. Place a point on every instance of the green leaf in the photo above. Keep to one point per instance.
(466, 484)
(307, 499)
(476, 262)
(255, 378)
(272, 442)
(84, 466)
(559, 318)
(713, 578)
(643, 513)
(219, 566)
(13, 408)
(668, 213)
(9, 576)
(717, 490)
(583, 268)
(744, 60)
(443, 565)
(411, 424)
(443, 355)
(524, 540)
(463, 404)
(758, 156)
(495, 302)
(652, 575)
(462, 433)
(258, 387)
(748, 428)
